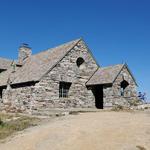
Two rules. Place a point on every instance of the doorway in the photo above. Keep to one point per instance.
(98, 94)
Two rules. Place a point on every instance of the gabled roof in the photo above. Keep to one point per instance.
(37, 65)
(5, 63)
(105, 75)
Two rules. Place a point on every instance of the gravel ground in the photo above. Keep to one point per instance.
(87, 131)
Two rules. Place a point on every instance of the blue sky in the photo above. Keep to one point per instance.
(116, 31)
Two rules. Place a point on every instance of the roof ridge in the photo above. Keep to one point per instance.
(76, 41)
(6, 59)
(66, 43)
(42, 62)
(109, 72)
(111, 66)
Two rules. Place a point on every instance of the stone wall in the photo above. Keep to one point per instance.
(112, 95)
(45, 94)
(47, 90)
(18, 100)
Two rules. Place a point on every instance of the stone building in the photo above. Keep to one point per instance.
(66, 76)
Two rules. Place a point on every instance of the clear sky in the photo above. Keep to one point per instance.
(116, 31)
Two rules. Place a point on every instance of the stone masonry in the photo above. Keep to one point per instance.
(112, 95)
(35, 83)
(46, 92)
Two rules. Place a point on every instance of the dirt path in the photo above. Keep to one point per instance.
(88, 131)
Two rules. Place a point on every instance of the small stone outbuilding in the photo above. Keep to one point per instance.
(66, 76)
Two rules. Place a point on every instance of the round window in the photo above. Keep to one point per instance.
(80, 61)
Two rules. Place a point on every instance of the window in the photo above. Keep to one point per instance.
(64, 89)
(124, 85)
(79, 61)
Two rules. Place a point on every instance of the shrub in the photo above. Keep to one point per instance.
(134, 102)
(117, 108)
(141, 147)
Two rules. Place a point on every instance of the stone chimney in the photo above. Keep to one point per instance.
(24, 53)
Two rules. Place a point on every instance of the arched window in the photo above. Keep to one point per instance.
(123, 85)
(79, 61)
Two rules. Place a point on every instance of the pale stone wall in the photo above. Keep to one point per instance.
(47, 90)
(45, 94)
(112, 95)
(19, 99)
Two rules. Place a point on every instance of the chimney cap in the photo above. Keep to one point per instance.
(24, 45)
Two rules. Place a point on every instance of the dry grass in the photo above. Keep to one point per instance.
(10, 124)
(121, 108)
(87, 131)
(141, 147)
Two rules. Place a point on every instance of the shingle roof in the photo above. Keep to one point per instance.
(5, 63)
(105, 75)
(37, 65)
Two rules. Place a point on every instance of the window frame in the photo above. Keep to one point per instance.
(64, 89)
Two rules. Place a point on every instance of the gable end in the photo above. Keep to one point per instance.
(125, 65)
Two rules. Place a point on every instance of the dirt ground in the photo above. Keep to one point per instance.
(87, 131)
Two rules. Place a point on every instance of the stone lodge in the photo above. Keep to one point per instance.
(66, 76)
